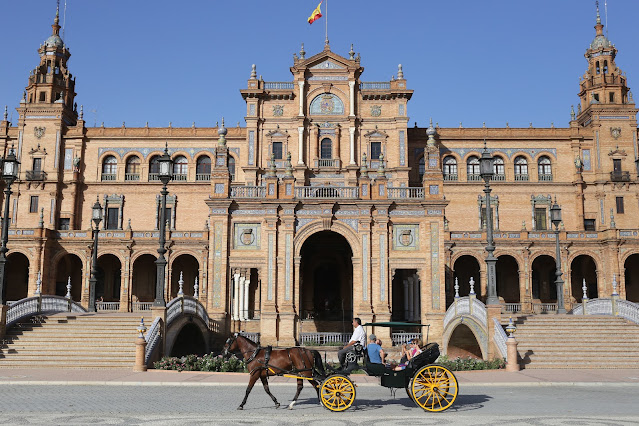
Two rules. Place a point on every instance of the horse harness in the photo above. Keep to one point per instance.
(265, 364)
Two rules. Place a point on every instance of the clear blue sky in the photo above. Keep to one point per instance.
(182, 61)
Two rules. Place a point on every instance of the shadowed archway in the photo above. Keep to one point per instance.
(543, 279)
(583, 267)
(69, 266)
(631, 275)
(17, 281)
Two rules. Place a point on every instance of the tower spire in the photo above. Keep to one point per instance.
(56, 21)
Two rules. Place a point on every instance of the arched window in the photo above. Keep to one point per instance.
(154, 168)
(521, 168)
(180, 167)
(231, 163)
(605, 67)
(498, 168)
(472, 168)
(597, 67)
(132, 170)
(450, 168)
(422, 168)
(203, 168)
(544, 168)
(109, 168)
(326, 149)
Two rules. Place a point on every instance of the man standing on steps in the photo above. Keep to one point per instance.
(359, 335)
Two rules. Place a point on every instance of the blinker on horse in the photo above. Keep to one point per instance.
(263, 362)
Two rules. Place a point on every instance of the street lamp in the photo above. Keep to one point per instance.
(9, 174)
(96, 216)
(555, 218)
(487, 170)
(165, 175)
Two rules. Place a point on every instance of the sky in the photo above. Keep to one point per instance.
(162, 61)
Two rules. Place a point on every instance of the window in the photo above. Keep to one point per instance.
(596, 97)
(112, 218)
(154, 168)
(64, 224)
(450, 168)
(203, 168)
(498, 168)
(611, 97)
(33, 204)
(521, 168)
(619, 202)
(422, 168)
(589, 225)
(43, 97)
(109, 168)
(376, 150)
(232, 167)
(180, 167)
(132, 169)
(605, 67)
(597, 67)
(326, 149)
(277, 150)
(483, 216)
(167, 217)
(37, 164)
(544, 168)
(540, 219)
(472, 168)
(616, 165)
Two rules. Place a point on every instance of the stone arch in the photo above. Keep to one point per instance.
(543, 268)
(583, 266)
(337, 227)
(17, 276)
(69, 265)
(140, 253)
(187, 264)
(143, 277)
(507, 271)
(542, 153)
(109, 153)
(476, 329)
(109, 277)
(469, 266)
(185, 333)
(182, 153)
(333, 91)
(631, 277)
(470, 154)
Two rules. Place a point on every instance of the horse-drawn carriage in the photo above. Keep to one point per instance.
(431, 386)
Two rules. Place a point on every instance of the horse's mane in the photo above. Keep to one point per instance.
(247, 339)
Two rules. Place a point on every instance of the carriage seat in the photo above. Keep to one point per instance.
(374, 369)
(429, 354)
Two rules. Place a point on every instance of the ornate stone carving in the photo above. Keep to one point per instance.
(39, 131)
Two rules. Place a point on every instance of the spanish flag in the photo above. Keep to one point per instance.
(317, 13)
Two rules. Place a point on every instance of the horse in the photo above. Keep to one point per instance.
(298, 361)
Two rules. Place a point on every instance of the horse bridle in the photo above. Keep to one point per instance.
(230, 341)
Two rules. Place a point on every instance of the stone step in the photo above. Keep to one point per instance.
(86, 364)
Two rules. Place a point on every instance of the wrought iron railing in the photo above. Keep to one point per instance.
(619, 176)
(412, 193)
(36, 175)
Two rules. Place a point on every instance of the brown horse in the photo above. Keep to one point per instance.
(295, 361)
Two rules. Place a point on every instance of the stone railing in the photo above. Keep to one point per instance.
(42, 304)
(107, 306)
(327, 192)
(254, 337)
(467, 306)
(399, 339)
(544, 308)
(324, 338)
(411, 193)
(375, 85)
(278, 85)
(327, 163)
(612, 306)
(248, 192)
(185, 305)
(513, 308)
(153, 338)
(500, 339)
(141, 306)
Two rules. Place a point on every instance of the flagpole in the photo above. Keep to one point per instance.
(326, 23)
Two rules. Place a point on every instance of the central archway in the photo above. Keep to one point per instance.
(326, 272)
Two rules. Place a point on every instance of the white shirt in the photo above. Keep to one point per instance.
(359, 335)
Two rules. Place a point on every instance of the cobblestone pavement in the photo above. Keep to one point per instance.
(174, 405)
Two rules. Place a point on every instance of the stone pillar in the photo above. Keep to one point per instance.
(494, 311)
(240, 295)
(411, 301)
(351, 87)
(140, 349)
(300, 145)
(269, 316)
(406, 299)
(235, 315)
(352, 145)
(247, 285)
(416, 313)
(3, 320)
(511, 349)
(300, 84)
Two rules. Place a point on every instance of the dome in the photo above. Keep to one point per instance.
(600, 41)
(222, 130)
(431, 130)
(54, 41)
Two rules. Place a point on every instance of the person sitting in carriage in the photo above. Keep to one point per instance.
(411, 352)
(359, 336)
(376, 354)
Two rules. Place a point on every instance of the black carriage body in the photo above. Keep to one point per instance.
(400, 379)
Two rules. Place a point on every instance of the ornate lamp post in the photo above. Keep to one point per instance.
(486, 170)
(96, 216)
(9, 174)
(165, 175)
(555, 218)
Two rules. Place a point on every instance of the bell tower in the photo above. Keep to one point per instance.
(51, 83)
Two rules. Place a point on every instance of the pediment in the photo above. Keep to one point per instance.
(328, 65)
(276, 134)
(376, 134)
(327, 60)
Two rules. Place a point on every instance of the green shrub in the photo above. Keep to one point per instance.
(208, 362)
(467, 363)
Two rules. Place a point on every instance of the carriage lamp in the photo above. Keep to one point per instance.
(486, 164)
(96, 216)
(166, 167)
(9, 174)
(165, 175)
(555, 214)
(97, 213)
(10, 167)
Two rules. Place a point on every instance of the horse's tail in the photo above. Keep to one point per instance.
(319, 365)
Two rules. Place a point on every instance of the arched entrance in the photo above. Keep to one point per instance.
(631, 266)
(464, 268)
(144, 276)
(189, 341)
(326, 273)
(69, 266)
(508, 279)
(109, 273)
(463, 343)
(543, 279)
(583, 267)
(189, 267)
(17, 271)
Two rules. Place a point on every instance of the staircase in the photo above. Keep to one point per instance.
(575, 341)
(73, 341)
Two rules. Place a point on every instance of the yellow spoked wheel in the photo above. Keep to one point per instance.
(337, 393)
(434, 388)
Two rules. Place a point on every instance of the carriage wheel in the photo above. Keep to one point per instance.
(337, 393)
(434, 388)
(409, 386)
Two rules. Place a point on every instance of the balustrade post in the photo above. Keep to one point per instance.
(512, 355)
(140, 348)
(3, 320)
(614, 296)
(584, 300)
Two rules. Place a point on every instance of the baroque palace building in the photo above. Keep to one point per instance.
(327, 205)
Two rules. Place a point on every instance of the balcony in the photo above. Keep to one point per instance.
(498, 177)
(619, 176)
(327, 163)
(108, 176)
(414, 193)
(546, 177)
(179, 177)
(248, 192)
(523, 177)
(451, 176)
(327, 192)
(474, 178)
(36, 175)
(153, 177)
(203, 177)
(132, 176)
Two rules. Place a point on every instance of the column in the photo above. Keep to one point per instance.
(240, 297)
(405, 282)
(411, 292)
(301, 86)
(351, 86)
(352, 140)
(247, 284)
(236, 299)
(300, 145)
(416, 298)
